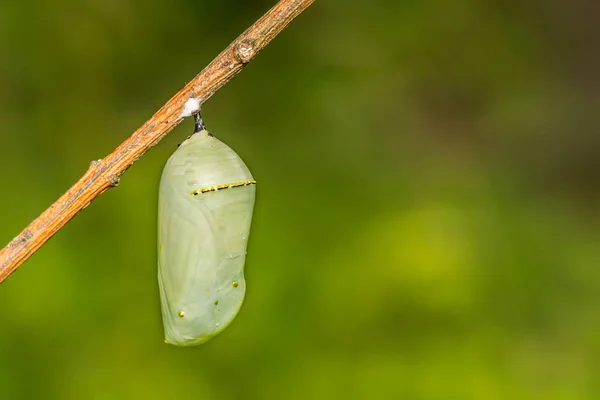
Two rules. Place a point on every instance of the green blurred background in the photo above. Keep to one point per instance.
(427, 220)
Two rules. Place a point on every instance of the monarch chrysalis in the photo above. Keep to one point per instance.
(205, 205)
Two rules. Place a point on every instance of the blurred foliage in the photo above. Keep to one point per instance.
(427, 222)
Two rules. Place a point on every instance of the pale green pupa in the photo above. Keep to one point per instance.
(205, 206)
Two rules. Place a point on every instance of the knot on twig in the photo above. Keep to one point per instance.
(244, 51)
(26, 235)
(95, 163)
(114, 180)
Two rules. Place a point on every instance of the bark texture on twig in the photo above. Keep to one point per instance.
(104, 174)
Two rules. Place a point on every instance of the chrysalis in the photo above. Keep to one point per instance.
(205, 205)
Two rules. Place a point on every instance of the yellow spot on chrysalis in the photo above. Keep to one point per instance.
(235, 283)
(166, 341)
(160, 248)
(181, 314)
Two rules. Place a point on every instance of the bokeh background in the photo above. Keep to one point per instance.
(427, 223)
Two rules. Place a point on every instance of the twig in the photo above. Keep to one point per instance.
(104, 174)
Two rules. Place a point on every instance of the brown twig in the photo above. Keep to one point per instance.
(104, 174)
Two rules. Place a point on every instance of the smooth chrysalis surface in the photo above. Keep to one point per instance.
(205, 205)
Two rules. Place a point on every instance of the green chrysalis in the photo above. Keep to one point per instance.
(205, 206)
